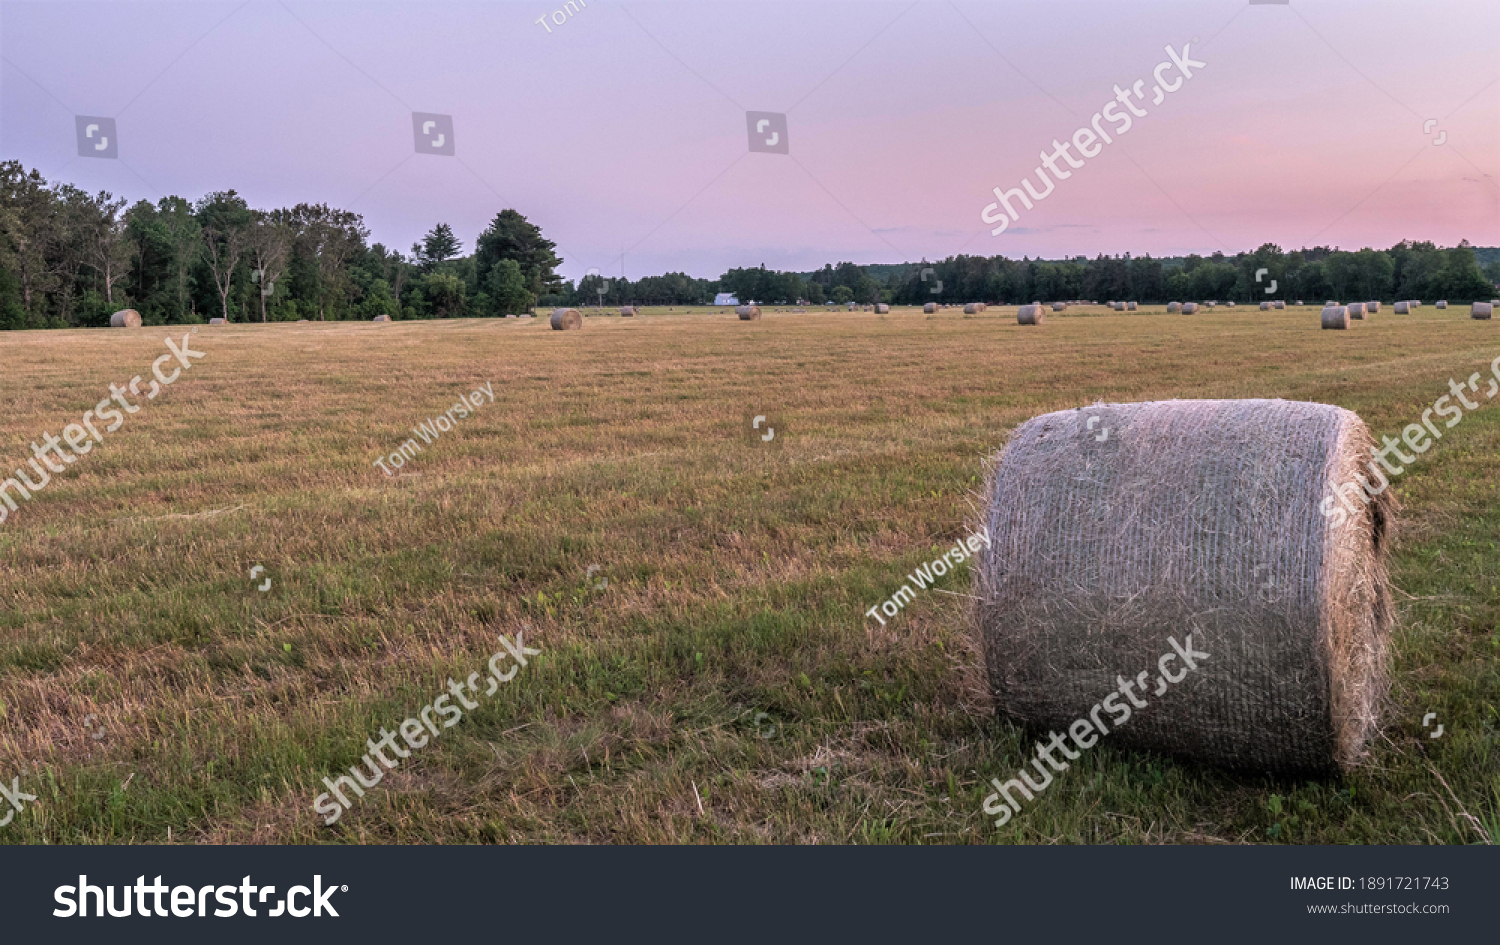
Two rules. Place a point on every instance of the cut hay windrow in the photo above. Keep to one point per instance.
(1191, 517)
(566, 319)
(1336, 316)
(1031, 315)
(748, 313)
(125, 318)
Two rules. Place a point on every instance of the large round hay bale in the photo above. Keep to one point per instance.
(1129, 306)
(882, 309)
(748, 313)
(1336, 316)
(1403, 308)
(1373, 308)
(1059, 306)
(627, 311)
(1189, 308)
(1356, 310)
(930, 308)
(1265, 306)
(971, 309)
(1174, 308)
(1278, 304)
(1119, 306)
(218, 321)
(1441, 303)
(566, 319)
(1098, 569)
(125, 318)
(1031, 315)
(1482, 310)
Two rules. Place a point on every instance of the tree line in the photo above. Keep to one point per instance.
(70, 259)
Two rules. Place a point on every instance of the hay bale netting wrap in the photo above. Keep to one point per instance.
(1189, 308)
(1031, 315)
(1174, 308)
(1441, 303)
(566, 319)
(882, 309)
(930, 308)
(1278, 304)
(1482, 310)
(1403, 308)
(1096, 559)
(971, 309)
(1356, 310)
(125, 318)
(1335, 316)
(748, 313)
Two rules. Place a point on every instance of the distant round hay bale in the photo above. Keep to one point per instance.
(930, 308)
(1229, 305)
(1403, 308)
(1336, 316)
(1129, 306)
(1356, 310)
(1442, 303)
(381, 318)
(1482, 310)
(1097, 569)
(1265, 306)
(1328, 303)
(1059, 306)
(1031, 315)
(1174, 308)
(1189, 308)
(983, 306)
(1119, 306)
(218, 321)
(566, 319)
(1373, 308)
(1278, 304)
(971, 309)
(748, 313)
(882, 309)
(125, 318)
(1415, 303)
(1299, 301)
(627, 311)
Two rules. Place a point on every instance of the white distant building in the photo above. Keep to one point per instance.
(725, 298)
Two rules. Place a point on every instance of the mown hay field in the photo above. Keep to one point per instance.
(698, 592)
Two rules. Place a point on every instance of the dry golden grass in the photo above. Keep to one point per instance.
(738, 574)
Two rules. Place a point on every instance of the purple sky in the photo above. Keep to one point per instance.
(625, 126)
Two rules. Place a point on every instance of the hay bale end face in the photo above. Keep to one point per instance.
(930, 308)
(1482, 310)
(1189, 308)
(566, 319)
(1356, 310)
(1030, 315)
(1403, 308)
(1088, 576)
(748, 313)
(125, 318)
(971, 309)
(1335, 316)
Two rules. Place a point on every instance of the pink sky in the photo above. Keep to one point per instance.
(625, 126)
